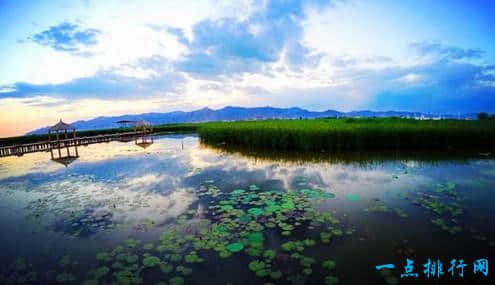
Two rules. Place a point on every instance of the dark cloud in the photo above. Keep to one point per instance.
(68, 37)
(444, 51)
(230, 46)
(445, 86)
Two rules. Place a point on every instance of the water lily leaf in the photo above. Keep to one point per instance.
(237, 192)
(256, 265)
(307, 271)
(176, 280)
(262, 273)
(166, 268)
(101, 271)
(235, 247)
(329, 264)
(256, 237)
(269, 253)
(227, 208)
(289, 205)
(331, 280)
(353, 197)
(103, 256)
(64, 277)
(276, 274)
(151, 261)
(255, 211)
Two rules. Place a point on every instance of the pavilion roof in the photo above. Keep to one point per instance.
(61, 126)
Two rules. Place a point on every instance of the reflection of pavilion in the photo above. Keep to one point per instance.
(145, 139)
(60, 144)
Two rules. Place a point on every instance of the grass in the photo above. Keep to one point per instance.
(326, 134)
(351, 134)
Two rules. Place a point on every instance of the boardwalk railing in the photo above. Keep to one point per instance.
(63, 143)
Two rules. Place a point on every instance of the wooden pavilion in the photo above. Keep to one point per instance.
(145, 139)
(64, 142)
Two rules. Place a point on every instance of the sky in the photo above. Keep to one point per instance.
(79, 59)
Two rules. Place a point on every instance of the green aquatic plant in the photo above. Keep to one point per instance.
(64, 277)
(331, 280)
(307, 271)
(235, 247)
(329, 264)
(307, 261)
(256, 237)
(103, 256)
(256, 265)
(90, 282)
(270, 254)
(148, 246)
(166, 267)
(253, 188)
(353, 197)
(132, 258)
(176, 280)
(255, 211)
(276, 274)
(151, 261)
(193, 257)
(100, 272)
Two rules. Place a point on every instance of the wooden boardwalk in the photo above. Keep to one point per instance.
(20, 150)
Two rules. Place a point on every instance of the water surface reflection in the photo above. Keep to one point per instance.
(390, 206)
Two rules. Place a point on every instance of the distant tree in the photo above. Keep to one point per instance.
(492, 117)
(482, 116)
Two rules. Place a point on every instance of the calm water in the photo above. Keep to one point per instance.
(177, 212)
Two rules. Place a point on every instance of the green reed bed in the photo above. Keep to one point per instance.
(351, 134)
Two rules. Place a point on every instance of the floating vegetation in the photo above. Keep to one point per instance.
(236, 223)
(443, 225)
(235, 247)
(353, 197)
(376, 206)
(329, 264)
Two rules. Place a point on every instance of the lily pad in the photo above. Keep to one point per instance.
(255, 211)
(176, 280)
(331, 280)
(353, 197)
(256, 265)
(101, 271)
(269, 254)
(151, 261)
(235, 247)
(329, 264)
(276, 274)
(64, 277)
(256, 237)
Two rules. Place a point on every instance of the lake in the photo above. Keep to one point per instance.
(178, 212)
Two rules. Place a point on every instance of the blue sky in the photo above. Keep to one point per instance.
(80, 59)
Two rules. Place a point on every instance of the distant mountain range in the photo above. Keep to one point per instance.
(231, 113)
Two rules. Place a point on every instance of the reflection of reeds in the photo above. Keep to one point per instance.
(361, 157)
(351, 134)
